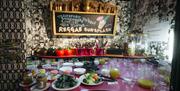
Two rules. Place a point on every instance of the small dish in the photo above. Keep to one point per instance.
(27, 85)
(53, 75)
(78, 64)
(68, 64)
(34, 88)
(79, 71)
(47, 66)
(66, 69)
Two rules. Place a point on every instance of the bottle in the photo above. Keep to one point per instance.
(131, 48)
(125, 53)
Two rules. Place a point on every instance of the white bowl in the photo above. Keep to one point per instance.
(96, 62)
(68, 64)
(105, 72)
(79, 71)
(78, 64)
(66, 69)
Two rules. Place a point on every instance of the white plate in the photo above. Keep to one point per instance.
(28, 85)
(79, 71)
(34, 88)
(78, 64)
(83, 77)
(65, 89)
(51, 78)
(66, 69)
(68, 64)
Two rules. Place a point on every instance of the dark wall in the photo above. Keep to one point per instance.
(12, 41)
(175, 76)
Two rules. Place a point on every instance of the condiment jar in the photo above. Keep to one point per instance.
(41, 81)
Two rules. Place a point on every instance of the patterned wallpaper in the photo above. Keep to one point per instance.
(38, 25)
(146, 10)
(12, 33)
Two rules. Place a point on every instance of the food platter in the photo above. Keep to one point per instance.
(91, 84)
(78, 82)
(65, 89)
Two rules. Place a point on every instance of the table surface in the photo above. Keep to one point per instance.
(106, 86)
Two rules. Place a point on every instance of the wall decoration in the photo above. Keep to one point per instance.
(83, 23)
(94, 6)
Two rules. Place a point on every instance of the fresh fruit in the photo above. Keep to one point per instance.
(114, 73)
(145, 83)
(102, 61)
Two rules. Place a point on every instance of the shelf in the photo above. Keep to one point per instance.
(106, 55)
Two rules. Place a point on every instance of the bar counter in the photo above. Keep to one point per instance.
(105, 55)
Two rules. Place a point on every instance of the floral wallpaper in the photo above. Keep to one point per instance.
(133, 15)
(38, 25)
(146, 10)
(154, 12)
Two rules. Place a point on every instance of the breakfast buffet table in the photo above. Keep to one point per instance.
(130, 70)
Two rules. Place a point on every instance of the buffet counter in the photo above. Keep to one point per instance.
(129, 72)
